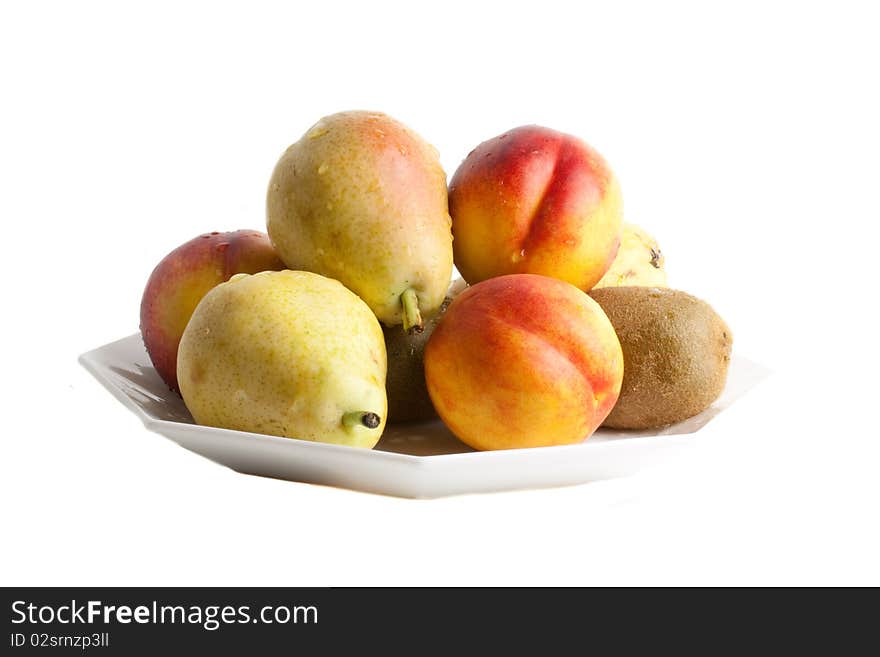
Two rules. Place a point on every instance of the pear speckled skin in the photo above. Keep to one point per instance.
(362, 198)
(285, 353)
(639, 261)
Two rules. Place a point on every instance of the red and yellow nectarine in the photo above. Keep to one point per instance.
(536, 201)
(523, 361)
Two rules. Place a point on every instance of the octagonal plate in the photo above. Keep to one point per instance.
(411, 460)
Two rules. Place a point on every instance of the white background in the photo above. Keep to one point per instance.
(745, 138)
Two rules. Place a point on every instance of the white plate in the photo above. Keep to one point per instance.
(413, 460)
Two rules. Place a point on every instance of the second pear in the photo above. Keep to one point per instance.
(362, 198)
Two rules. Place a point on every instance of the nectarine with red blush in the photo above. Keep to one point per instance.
(523, 361)
(535, 201)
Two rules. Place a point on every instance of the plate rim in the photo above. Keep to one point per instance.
(89, 362)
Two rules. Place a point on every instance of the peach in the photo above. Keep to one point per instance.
(535, 201)
(187, 274)
(523, 361)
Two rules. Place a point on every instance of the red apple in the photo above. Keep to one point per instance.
(184, 276)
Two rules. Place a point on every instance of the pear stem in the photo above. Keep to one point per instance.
(412, 318)
(361, 419)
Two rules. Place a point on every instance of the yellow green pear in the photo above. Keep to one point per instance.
(286, 353)
(639, 261)
(362, 198)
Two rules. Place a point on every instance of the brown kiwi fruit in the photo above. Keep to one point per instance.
(408, 399)
(676, 350)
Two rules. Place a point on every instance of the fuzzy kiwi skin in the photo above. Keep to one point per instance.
(408, 399)
(676, 350)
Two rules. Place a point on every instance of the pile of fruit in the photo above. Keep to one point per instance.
(343, 318)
